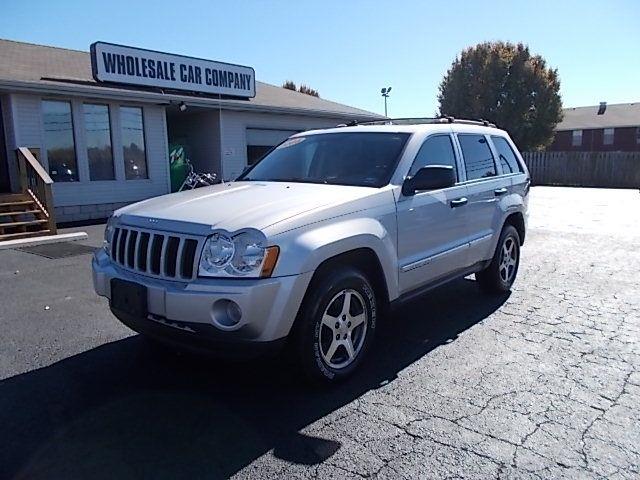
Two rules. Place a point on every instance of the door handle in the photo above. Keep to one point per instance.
(500, 191)
(458, 202)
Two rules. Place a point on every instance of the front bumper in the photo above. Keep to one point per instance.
(269, 306)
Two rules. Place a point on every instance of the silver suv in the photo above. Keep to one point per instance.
(310, 245)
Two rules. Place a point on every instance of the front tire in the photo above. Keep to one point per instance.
(499, 276)
(336, 324)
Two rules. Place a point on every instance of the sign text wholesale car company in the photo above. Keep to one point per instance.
(135, 66)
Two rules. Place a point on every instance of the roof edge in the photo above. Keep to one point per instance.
(166, 99)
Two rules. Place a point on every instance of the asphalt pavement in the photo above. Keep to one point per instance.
(541, 383)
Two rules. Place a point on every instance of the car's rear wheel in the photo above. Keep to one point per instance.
(499, 276)
(336, 324)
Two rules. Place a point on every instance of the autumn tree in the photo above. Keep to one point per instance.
(505, 84)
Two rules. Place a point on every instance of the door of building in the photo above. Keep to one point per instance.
(261, 140)
(5, 184)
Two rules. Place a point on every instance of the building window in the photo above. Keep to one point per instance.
(607, 136)
(59, 141)
(97, 126)
(135, 158)
(576, 138)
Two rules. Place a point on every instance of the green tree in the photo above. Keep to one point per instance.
(289, 85)
(308, 90)
(505, 84)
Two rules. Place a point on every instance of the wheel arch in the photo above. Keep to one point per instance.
(366, 261)
(516, 219)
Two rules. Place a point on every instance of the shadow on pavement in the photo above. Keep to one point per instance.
(122, 410)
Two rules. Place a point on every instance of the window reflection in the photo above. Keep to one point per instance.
(98, 132)
(135, 161)
(59, 141)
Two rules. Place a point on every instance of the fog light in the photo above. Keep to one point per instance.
(226, 314)
(233, 312)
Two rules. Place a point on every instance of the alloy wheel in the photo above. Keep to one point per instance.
(508, 260)
(343, 329)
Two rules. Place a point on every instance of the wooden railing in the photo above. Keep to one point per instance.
(36, 182)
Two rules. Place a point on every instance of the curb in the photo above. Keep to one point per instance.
(29, 242)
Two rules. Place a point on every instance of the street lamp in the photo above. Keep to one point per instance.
(385, 93)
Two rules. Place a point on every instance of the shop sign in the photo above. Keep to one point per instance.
(136, 66)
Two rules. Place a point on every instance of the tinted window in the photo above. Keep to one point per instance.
(508, 159)
(59, 141)
(437, 150)
(135, 159)
(359, 159)
(98, 132)
(477, 156)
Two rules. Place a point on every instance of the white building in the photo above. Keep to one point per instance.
(106, 144)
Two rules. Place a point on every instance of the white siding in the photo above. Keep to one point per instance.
(27, 121)
(267, 137)
(234, 127)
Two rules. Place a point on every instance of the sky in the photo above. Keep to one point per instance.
(349, 50)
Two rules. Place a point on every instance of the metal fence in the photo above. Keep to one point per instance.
(584, 169)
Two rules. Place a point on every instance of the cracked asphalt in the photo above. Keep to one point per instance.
(542, 383)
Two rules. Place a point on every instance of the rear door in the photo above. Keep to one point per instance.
(511, 164)
(432, 237)
(484, 187)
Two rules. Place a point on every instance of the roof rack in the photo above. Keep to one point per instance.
(419, 121)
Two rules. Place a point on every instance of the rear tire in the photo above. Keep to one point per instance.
(336, 324)
(499, 276)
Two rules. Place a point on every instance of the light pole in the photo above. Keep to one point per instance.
(385, 93)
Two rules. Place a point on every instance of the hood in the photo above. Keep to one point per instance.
(236, 205)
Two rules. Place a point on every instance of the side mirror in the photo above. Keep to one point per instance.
(431, 177)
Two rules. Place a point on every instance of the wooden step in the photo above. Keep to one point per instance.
(12, 236)
(14, 197)
(20, 212)
(18, 203)
(21, 224)
(17, 206)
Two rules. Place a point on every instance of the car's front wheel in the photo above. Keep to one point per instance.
(336, 324)
(499, 276)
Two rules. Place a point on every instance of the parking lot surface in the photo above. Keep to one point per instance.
(541, 383)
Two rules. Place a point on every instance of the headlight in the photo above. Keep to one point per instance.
(217, 253)
(108, 233)
(241, 254)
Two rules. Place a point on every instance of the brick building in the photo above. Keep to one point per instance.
(599, 128)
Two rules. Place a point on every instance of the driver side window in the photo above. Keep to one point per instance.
(436, 150)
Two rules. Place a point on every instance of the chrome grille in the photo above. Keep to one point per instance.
(159, 254)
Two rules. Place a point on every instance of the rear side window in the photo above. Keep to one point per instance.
(437, 150)
(478, 159)
(507, 157)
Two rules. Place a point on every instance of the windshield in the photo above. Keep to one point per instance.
(355, 158)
